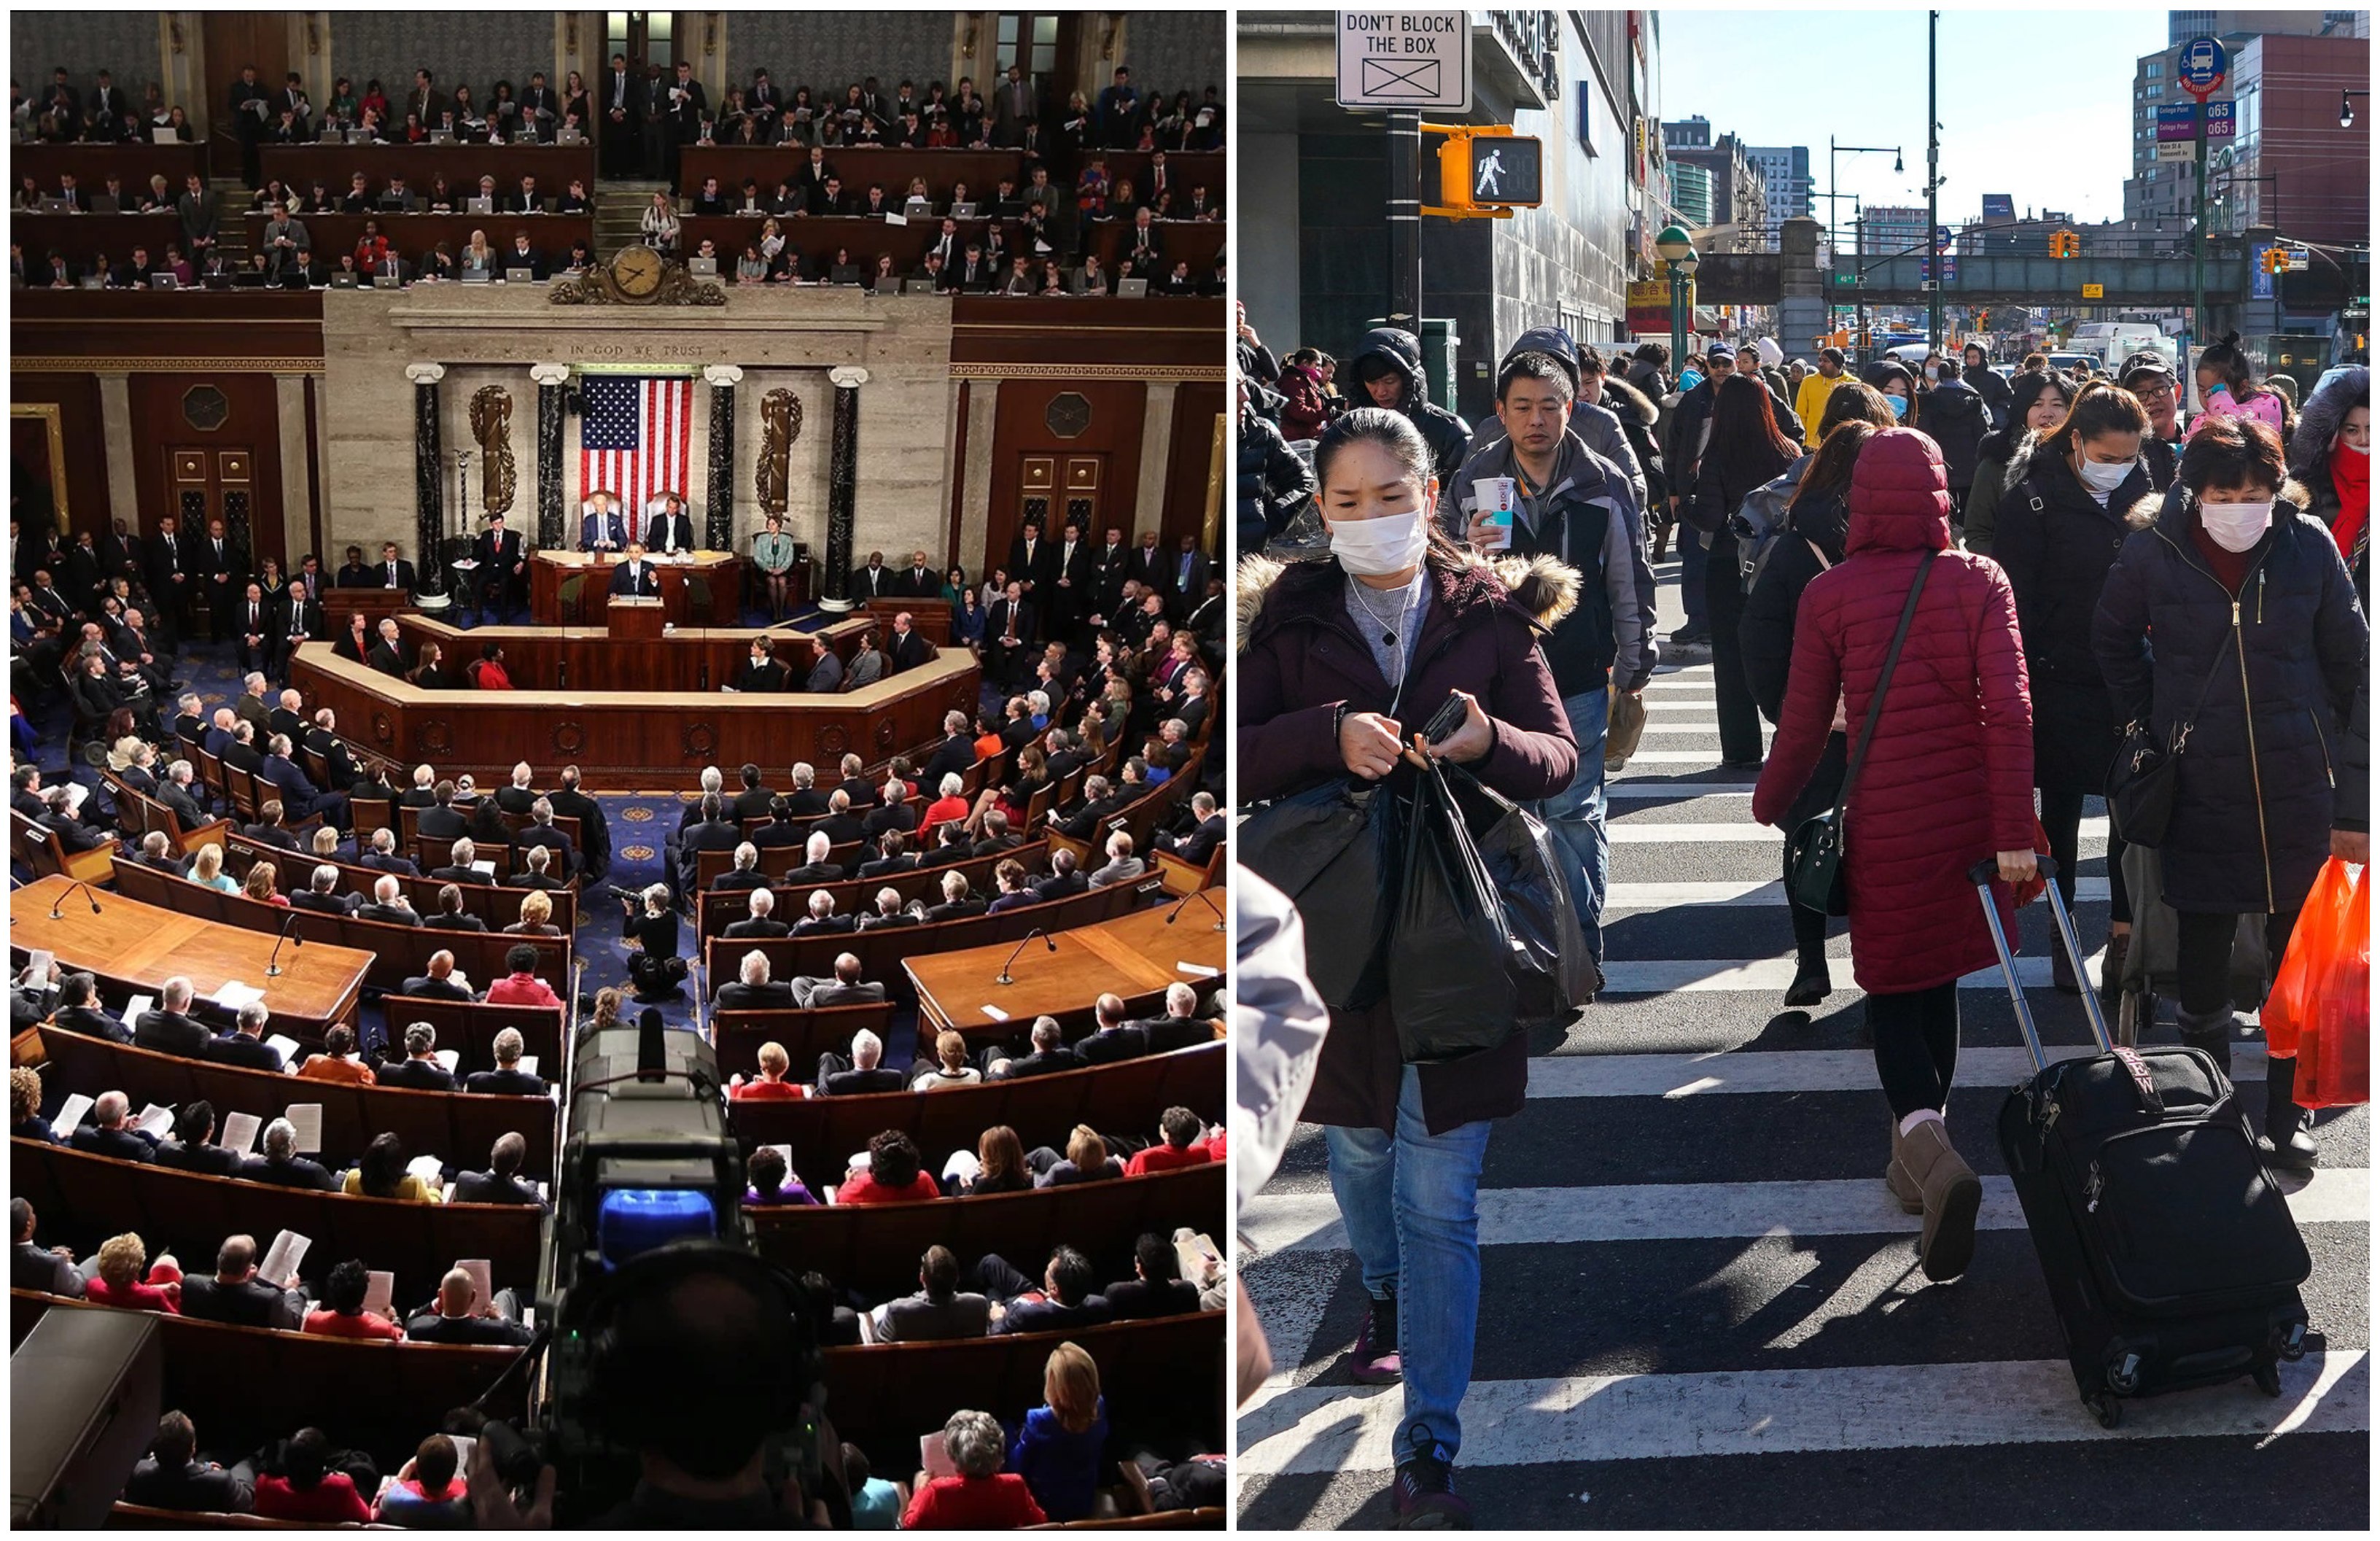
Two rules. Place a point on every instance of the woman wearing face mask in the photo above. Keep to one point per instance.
(2330, 454)
(1898, 382)
(1342, 661)
(2037, 402)
(2259, 643)
(2061, 525)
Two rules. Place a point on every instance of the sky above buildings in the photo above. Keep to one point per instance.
(2033, 103)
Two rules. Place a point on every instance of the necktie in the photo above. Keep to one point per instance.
(1010, 634)
(392, 575)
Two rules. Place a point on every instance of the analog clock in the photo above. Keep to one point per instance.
(636, 270)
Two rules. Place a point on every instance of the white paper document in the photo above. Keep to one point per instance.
(239, 1132)
(137, 1006)
(155, 1120)
(71, 1114)
(451, 1058)
(528, 1064)
(231, 995)
(483, 1281)
(1196, 971)
(380, 1291)
(286, 1256)
(288, 1047)
(429, 1169)
(307, 1119)
(994, 1012)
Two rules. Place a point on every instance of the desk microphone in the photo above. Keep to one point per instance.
(1047, 940)
(57, 911)
(1196, 894)
(272, 963)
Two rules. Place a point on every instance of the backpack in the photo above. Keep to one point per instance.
(1762, 518)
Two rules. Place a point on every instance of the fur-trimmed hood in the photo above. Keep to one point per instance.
(1628, 404)
(1545, 589)
(2333, 395)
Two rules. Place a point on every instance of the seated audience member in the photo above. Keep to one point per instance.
(864, 1072)
(508, 1078)
(383, 857)
(1182, 1143)
(520, 986)
(78, 1010)
(951, 1068)
(244, 1046)
(1015, 887)
(441, 982)
(50, 1270)
(172, 1476)
(939, 1311)
(1062, 1302)
(192, 1148)
(382, 1173)
(501, 1183)
(894, 1173)
(816, 867)
(338, 1062)
(760, 919)
(875, 1503)
(770, 1083)
(305, 1489)
(342, 1314)
(451, 915)
(169, 1028)
(999, 1165)
(772, 1181)
(1114, 1039)
(322, 893)
(117, 1280)
(459, 868)
(1086, 1161)
(846, 989)
(236, 1296)
(1065, 880)
(981, 1497)
(957, 902)
(1123, 867)
(111, 1132)
(751, 988)
(25, 1120)
(821, 920)
(1050, 1054)
(889, 912)
(459, 1315)
(428, 1492)
(1206, 833)
(1156, 1287)
(745, 874)
(1058, 1451)
(419, 1070)
(1181, 1026)
(536, 873)
(389, 903)
(282, 1164)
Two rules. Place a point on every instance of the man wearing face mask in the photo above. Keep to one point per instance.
(1538, 492)
(2260, 644)
(2058, 528)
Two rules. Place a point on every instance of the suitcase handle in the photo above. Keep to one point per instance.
(1982, 874)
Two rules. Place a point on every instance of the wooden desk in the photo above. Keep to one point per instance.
(91, 165)
(662, 739)
(553, 165)
(413, 235)
(373, 604)
(1134, 956)
(981, 170)
(929, 618)
(697, 659)
(142, 945)
(717, 570)
(77, 237)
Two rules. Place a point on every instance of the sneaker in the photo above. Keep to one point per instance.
(1425, 1495)
(1375, 1361)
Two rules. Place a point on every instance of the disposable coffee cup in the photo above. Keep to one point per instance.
(1502, 495)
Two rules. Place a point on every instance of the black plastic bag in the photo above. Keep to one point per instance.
(1332, 850)
(1552, 968)
(1450, 967)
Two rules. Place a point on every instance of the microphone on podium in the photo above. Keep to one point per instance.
(1047, 940)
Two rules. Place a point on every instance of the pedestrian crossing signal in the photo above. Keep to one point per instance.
(2065, 242)
(1480, 172)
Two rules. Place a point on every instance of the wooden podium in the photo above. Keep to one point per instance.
(634, 618)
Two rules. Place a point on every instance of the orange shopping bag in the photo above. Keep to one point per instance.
(2335, 1046)
(2313, 946)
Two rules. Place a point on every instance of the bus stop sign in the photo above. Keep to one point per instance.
(2202, 66)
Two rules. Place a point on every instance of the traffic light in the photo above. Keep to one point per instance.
(2275, 260)
(2065, 242)
(1480, 172)
(1983, 321)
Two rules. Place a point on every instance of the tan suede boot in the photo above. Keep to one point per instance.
(1952, 1195)
(1896, 1177)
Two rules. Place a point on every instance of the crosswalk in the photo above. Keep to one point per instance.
(1700, 1307)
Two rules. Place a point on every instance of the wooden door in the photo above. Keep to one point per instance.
(1058, 487)
(236, 38)
(1049, 44)
(218, 482)
(645, 37)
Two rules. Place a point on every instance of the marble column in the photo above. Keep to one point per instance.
(116, 440)
(719, 513)
(552, 527)
(296, 487)
(429, 479)
(1155, 457)
(842, 489)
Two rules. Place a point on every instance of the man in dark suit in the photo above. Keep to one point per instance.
(1033, 562)
(460, 1318)
(438, 983)
(1016, 111)
(1156, 1288)
(714, 832)
(624, 122)
(165, 563)
(387, 653)
(393, 571)
(958, 901)
(388, 905)
(822, 920)
(501, 1183)
(508, 1079)
(894, 812)
(1066, 880)
(1123, 1040)
(917, 580)
(1147, 565)
(903, 647)
(32, 1266)
(684, 105)
(169, 1028)
(79, 1010)
(752, 801)
(281, 1163)
(172, 1476)
(873, 581)
(752, 989)
(761, 672)
(954, 756)
(672, 528)
(235, 1296)
(1073, 595)
(745, 874)
(110, 1132)
(249, 103)
(382, 857)
(419, 1070)
(520, 794)
(897, 858)
(1206, 833)
(1008, 635)
(841, 825)
(459, 868)
(269, 828)
(322, 894)
(502, 577)
(845, 989)
(540, 830)
(175, 793)
(815, 866)
(301, 798)
(601, 528)
(760, 921)
(451, 915)
(537, 871)
(245, 1046)
(193, 1147)
(1099, 804)
(73, 834)
(226, 579)
(594, 834)
(636, 575)
(444, 822)
(1050, 1055)
(863, 1072)
(1181, 1026)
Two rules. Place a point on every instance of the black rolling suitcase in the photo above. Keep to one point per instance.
(2170, 1252)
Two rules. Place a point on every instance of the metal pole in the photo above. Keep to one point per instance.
(1677, 320)
(1405, 221)
(1834, 248)
(2196, 329)
(1932, 187)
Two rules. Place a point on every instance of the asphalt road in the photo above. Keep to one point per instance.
(1699, 1306)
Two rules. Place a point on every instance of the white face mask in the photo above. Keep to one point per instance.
(2103, 476)
(1376, 548)
(2235, 526)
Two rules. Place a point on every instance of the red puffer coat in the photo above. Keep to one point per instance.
(1948, 776)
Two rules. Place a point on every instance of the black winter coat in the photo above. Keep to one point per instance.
(1447, 435)
(1955, 418)
(2255, 801)
(1766, 632)
(1273, 482)
(2057, 544)
(1998, 394)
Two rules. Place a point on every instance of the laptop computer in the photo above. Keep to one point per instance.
(478, 275)
(844, 272)
(359, 136)
(441, 136)
(164, 280)
(703, 267)
(521, 275)
(57, 206)
(218, 280)
(919, 287)
(478, 205)
(962, 211)
(569, 136)
(91, 281)
(344, 279)
(375, 279)
(102, 203)
(918, 207)
(248, 280)
(392, 202)
(1132, 288)
(295, 279)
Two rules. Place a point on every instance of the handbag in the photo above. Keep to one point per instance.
(1550, 963)
(1450, 976)
(1329, 848)
(2146, 775)
(1815, 853)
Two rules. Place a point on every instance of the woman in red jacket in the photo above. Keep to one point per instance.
(1948, 780)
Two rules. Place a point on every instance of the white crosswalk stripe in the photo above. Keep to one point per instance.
(1693, 1191)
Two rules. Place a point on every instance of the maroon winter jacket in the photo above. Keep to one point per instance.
(1307, 411)
(1300, 657)
(1948, 776)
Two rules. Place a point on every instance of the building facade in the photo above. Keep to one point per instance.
(2167, 191)
(1739, 193)
(1786, 172)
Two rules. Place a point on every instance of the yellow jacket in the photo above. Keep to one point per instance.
(1810, 403)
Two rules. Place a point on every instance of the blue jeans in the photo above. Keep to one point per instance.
(1575, 815)
(1411, 1205)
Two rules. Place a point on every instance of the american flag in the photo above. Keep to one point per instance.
(632, 437)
